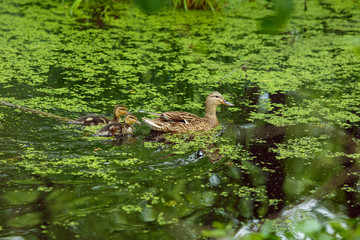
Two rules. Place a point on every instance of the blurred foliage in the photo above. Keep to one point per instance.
(152, 6)
(275, 23)
(200, 4)
(311, 228)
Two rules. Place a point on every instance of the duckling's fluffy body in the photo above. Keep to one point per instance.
(118, 129)
(93, 119)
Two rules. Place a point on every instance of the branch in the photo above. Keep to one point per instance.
(244, 68)
(26, 109)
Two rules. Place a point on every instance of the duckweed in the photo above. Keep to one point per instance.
(289, 146)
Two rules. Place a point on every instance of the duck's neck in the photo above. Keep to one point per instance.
(210, 115)
(116, 119)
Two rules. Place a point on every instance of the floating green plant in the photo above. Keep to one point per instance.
(292, 135)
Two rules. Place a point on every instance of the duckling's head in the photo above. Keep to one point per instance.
(120, 110)
(215, 98)
(131, 119)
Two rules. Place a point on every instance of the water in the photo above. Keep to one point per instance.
(287, 151)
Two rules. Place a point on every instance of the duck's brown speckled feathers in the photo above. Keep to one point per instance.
(179, 121)
(118, 129)
(93, 119)
(178, 116)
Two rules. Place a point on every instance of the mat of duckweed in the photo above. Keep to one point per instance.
(283, 164)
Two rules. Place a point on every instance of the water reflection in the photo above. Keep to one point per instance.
(153, 192)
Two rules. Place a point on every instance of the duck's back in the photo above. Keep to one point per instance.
(179, 122)
(93, 120)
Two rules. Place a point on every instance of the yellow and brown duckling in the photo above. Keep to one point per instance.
(93, 119)
(118, 129)
(179, 121)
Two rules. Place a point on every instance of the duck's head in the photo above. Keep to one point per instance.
(120, 110)
(131, 119)
(215, 98)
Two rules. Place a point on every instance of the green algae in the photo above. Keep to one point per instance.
(303, 81)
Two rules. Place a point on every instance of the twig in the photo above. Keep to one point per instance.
(244, 68)
(13, 158)
(26, 109)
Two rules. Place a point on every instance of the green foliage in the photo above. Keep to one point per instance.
(199, 4)
(58, 179)
(151, 6)
(274, 24)
(110, 7)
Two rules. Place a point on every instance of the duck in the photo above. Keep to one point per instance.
(93, 119)
(180, 122)
(118, 129)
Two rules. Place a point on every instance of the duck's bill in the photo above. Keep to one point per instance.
(138, 122)
(227, 103)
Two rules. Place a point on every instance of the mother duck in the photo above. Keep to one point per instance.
(179, 121)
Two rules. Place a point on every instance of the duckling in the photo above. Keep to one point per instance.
(117, 129)
(93, 119)
(179, 121)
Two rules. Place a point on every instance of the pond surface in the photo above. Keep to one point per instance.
(285, 160)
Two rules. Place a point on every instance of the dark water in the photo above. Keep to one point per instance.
(286, 160)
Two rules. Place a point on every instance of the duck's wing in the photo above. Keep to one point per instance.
(179, 116)
(157, 124)
(162, 125)
(177, 121)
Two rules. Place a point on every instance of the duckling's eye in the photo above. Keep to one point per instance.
(216, 96)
